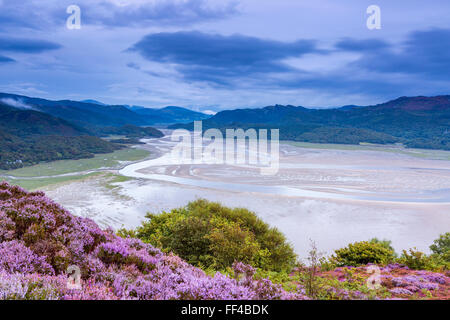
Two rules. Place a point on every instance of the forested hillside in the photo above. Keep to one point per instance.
(29, 136)
(421, 122)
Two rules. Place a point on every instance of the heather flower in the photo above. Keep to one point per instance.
(402, 291)
(394, 266)
(419, 282)
(16, 257)
(7, 227)
(11, 287)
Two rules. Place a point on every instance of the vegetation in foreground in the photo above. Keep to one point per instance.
(39, 240)
(211, 236)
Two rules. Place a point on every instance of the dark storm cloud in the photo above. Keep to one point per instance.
(4, 59)
(217, 58)
(422, 53)
(349, 44)
(26, 45)
(232, 60)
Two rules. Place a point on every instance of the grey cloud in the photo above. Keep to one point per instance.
(423, 53)
(219, 59)
(26, 45)
(43, 15)
(4, 59)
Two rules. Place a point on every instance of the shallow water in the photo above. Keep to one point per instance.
(426, 196)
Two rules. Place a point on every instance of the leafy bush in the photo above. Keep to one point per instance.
(417, 260)
(441, 247)
(361, 253)
(210, 235)
(439, 260)
(385, 243)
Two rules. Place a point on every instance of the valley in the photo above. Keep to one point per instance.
(359, 182)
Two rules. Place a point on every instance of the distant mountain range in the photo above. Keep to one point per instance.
(91, 113)
(422, 122)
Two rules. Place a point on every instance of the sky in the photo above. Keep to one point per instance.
(211, 55)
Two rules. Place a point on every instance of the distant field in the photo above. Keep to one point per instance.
(109, 160)
(34, 184)
(418, 153)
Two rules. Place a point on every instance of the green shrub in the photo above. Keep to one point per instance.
(209, 235)
(361, 253)
(327, 264)
(417, 260)
(441, 247)
(385, 243)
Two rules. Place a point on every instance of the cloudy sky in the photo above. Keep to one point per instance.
(218, 54)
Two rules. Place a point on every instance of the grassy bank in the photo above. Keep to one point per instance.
(42, 175)
(38, 183)
(109, 160)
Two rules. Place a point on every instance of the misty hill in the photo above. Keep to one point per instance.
(91, 113)
(28, 137)
(80, 113)
(421, 122)
(24, 122)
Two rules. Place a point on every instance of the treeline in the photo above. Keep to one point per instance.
(16, 152)
(130, 131)
(309, 133)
